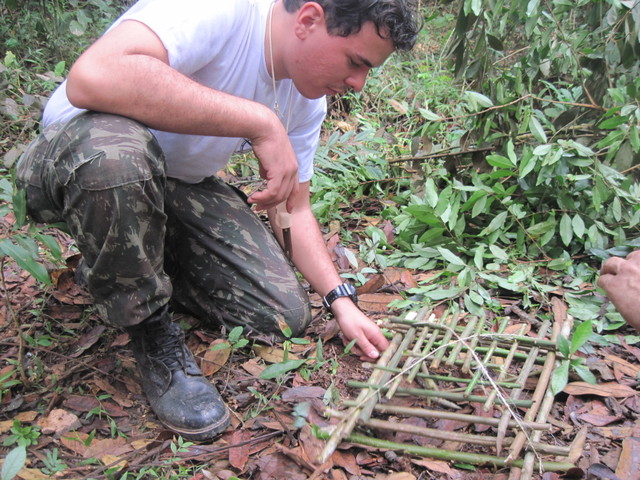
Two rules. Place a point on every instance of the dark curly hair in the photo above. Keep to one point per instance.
(396, 18)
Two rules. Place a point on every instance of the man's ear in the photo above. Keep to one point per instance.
(309, 17)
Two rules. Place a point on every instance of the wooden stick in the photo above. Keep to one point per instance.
(459, 417)
(430, 393)
(475, 459)
(345, 428)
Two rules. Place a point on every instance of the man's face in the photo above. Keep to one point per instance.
(326, 64)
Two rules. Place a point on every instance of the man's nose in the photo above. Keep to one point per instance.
(356, 80)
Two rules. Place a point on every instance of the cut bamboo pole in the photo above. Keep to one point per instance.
(445, 340)
(467, 364)
(420, 392)
(522, 378)
(459, 417)
(487, 356)
(344, 429)
(538, 396)
(464, 457)
(410, 362)
(445, 378)
(504, 371)
(455, 351)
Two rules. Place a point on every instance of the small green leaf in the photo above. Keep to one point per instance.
(585, 374)
(450, 256)
(578, 225)
(14, 462)
(499, 161)
(536, 130)
(581, 335)
(278, 369)
(560, 377)
(566, 229)
(564, 347)
(479, 98)
(235, 333)
(429, 115)
(25, 260)
(431, 192)
(498, 252)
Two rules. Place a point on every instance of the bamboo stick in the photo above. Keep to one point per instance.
(538, 342)
(538, 396)
(522, 378)
(446, 378)
(475, 439)
(445, 340)
(455, 352)
(459, 417)
(503, 372)
(487, 356)
(473, 343)
(345, 428)
(408, 361)
(431, 393)
(472, 458)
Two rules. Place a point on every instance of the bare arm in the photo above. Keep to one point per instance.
(127, 72)
(312, 260)
(620, 278)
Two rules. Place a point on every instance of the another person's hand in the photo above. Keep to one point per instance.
(278, 166)
(370, 342)
(620, 279)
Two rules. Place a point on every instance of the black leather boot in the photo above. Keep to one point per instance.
(179, 394)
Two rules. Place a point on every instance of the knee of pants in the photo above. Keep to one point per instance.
(100, 151)
(297, 319)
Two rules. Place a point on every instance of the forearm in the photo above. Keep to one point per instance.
(134, 79)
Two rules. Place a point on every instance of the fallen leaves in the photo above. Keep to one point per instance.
(610, 389)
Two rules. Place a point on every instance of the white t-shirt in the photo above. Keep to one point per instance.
(218, 43)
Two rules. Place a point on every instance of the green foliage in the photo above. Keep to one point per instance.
(53, 463)
(40, 39)
(13, 463)
(23, 436)
(579, 338)
(25, 246)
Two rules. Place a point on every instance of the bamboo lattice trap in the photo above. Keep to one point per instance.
(434, 367)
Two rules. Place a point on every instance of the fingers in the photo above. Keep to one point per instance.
(277, 191)
(611, 266)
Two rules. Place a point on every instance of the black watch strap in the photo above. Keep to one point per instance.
(344, 290)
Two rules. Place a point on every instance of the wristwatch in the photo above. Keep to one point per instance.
(344, 290)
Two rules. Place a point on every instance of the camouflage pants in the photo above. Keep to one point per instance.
(148, 239)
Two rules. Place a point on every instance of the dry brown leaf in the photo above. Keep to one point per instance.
(395, 476)
(214, 359)
(253, 367)
(434, 465)
(347, 461)
(610, 389)
(629, 461)
(108, 446)
(622, 366)
(75, 441)
(114, 462)
(81, 403)
(272, 354)
(238, 456)
(376, 302)
(23, 417)
(32, 474)
(118, 395)
(374, 284)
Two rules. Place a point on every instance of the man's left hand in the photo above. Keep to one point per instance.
(370, 342)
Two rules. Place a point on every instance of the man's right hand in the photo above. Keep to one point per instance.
(620, 278)
(278, 166)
